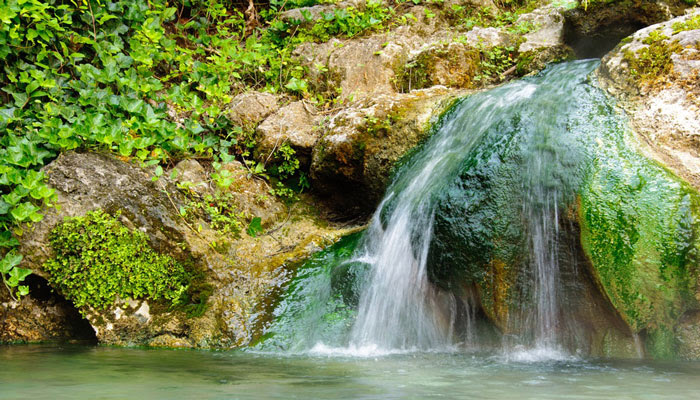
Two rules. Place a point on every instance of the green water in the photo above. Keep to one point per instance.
(45, 372)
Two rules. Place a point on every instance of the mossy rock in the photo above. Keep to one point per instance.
(627, 226)
(640, 230)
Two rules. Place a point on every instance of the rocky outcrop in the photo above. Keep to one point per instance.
(295, 125)
(428, 46)
(655, 73)
(361, 145)
(237, 276)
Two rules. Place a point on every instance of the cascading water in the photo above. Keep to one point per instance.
(400, 308)
(509, 161)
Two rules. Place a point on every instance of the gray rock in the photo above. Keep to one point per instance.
(665, 114)
(248, 109)
(294, 124)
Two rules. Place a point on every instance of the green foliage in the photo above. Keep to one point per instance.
(97, 259)
(255, 227)
(495, 61)
(218, 210)
(485, 17)
(347, 22)
(688, 25)
(110, 75)
(652, 62)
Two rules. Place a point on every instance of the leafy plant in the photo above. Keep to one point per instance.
(218, 210)
(97, 259)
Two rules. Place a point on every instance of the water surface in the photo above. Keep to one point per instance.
(76, 372)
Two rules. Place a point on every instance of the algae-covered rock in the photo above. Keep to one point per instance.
(640, 230)
(622, 229)
(318, 305)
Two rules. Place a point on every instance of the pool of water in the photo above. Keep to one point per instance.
(78, 372)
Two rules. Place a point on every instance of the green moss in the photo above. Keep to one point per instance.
(97, 259)
(652, 62)
(640, 230)
(688, 25)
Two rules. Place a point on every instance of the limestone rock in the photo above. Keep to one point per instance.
(294, 124)
(665, 113)
(353, 160)
(241, 274)
(547, 29)
(248, 109)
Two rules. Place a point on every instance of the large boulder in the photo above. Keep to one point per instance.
(624, 227)
(233, 277)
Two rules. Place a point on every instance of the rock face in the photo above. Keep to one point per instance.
(293, 124)
(662, 101)
(239, 275)
(353, 160)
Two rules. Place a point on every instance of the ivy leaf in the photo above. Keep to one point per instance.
(24, 212)
(255, 227)
(42, 192)
(17, 275)
(297, 85)
(7, 240)
(10, 261)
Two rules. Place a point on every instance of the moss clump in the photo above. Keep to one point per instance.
(687, 25)
(97, 259)
(651, 63)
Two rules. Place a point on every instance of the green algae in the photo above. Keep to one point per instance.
(640, 230)
(318, 304)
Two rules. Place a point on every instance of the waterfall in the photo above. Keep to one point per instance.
(539, 128)
(400, 308)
